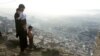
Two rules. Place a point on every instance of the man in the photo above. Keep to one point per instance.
(20, 23)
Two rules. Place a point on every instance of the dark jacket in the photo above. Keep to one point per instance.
(19, 24)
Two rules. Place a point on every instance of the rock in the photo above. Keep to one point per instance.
(97, 47)
(3, 51)
(2, 54)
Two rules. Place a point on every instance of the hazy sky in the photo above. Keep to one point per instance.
(52, 7)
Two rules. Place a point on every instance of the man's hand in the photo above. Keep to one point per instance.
(17, 35)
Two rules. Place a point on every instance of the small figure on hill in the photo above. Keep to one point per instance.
(30, 36)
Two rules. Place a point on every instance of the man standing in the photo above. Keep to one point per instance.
(20, 23)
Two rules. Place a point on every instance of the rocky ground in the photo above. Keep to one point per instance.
(97, 47)
(9, 46)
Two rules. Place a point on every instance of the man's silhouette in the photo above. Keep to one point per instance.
(20, 23)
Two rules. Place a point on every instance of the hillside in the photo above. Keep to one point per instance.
(76, 37)
(9, 47)
(97, 46)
